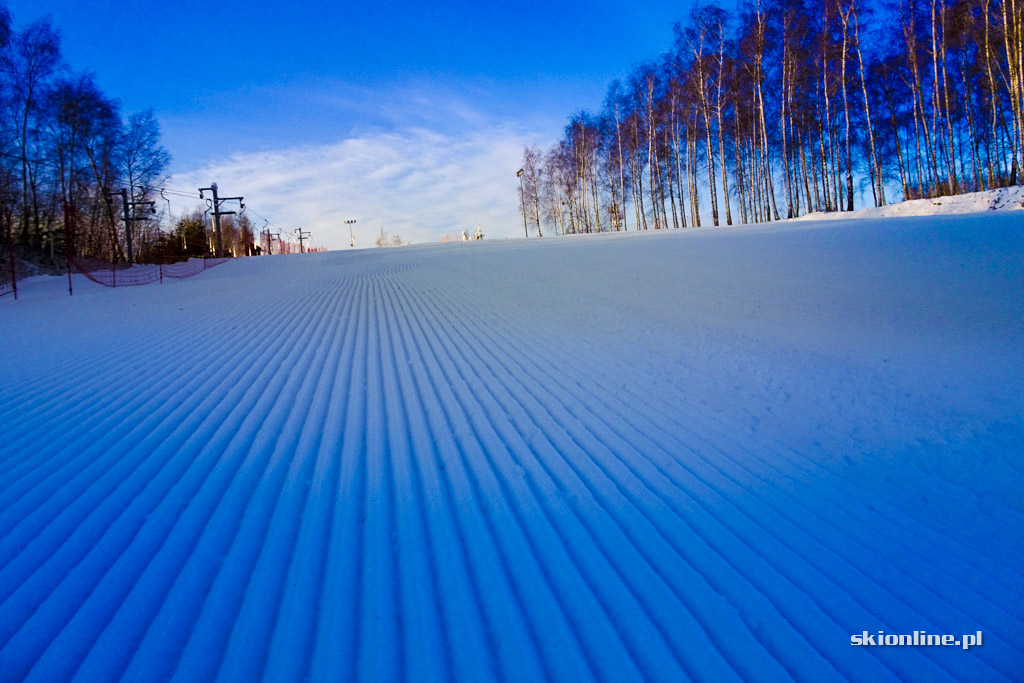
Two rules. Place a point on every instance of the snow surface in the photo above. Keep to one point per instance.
(711, 454)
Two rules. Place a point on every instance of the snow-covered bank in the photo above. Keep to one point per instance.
(710, 453)
(1003, 199)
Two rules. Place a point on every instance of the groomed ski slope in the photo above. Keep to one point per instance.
(711, 454)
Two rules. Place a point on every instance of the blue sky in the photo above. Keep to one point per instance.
(408, 116)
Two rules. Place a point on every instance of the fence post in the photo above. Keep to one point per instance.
(10, 257)
(161, 267)
(71, 290)
(69, 234)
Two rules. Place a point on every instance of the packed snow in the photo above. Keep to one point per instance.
(713, 454)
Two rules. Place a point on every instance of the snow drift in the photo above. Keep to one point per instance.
(1003, 199)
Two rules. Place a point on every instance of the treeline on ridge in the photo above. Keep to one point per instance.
(788, 107)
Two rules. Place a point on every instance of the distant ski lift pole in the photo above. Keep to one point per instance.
(128, 210)
(303, 235)
(217, 213)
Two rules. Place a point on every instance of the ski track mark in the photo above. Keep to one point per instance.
(544, 472)
(575, 401)
(88, 522)
(509, 441)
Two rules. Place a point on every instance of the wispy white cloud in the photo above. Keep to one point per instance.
(447, 170)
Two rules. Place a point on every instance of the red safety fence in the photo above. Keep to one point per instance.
(120, 275)
(193, 266)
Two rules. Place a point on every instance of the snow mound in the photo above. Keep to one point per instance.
(1002, 199)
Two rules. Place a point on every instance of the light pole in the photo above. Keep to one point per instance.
(351, 235)
(522, 202)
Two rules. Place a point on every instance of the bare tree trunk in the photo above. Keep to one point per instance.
(994, 133)
(769, 187)
(622, 188)
(652, 155)
(1012, 37)
(784, 99)
(669, 167)
(712, 190)
(844, 55)
(637, 183)
(831, 176)
(896, 140)
(691, 154)
(718, 112)
(807, 174)
(738, 154)
(756, 158)
(678, 154)
(758, 78)
(953, 176)
(824, 157)
(873, 153)
(920, 116)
